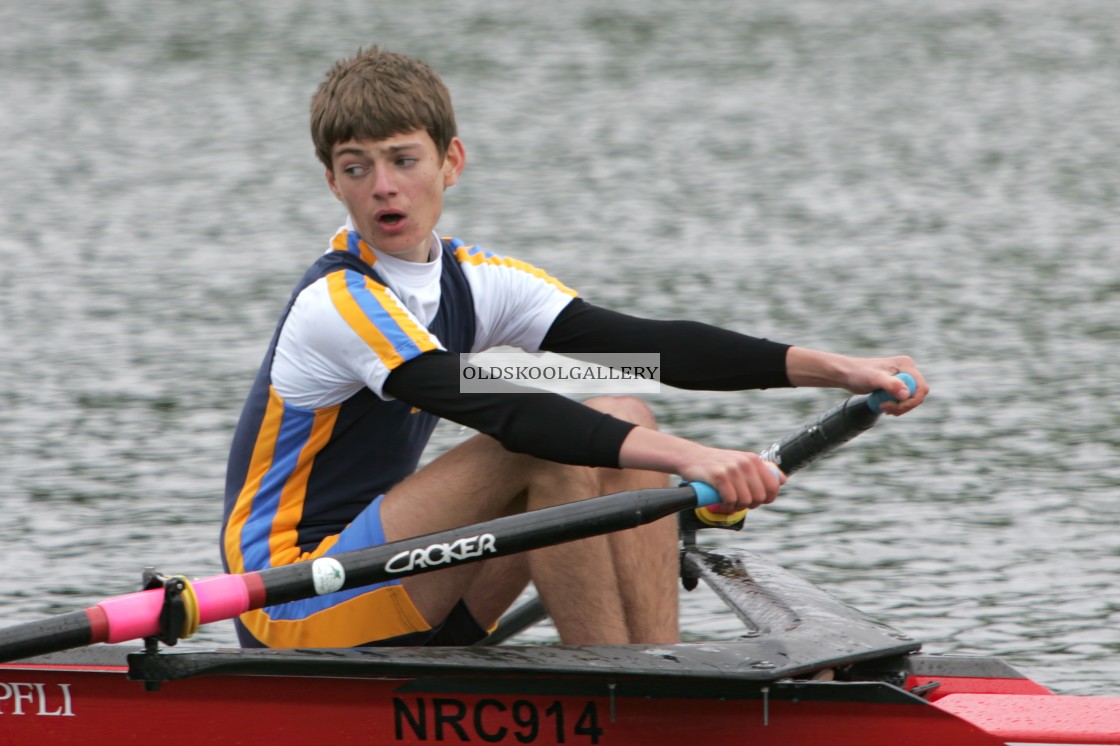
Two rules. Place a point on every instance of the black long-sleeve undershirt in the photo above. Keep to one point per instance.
(553, 427)
(693, 355)
(545, 425)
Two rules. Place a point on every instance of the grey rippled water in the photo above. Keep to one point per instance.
(869, 176)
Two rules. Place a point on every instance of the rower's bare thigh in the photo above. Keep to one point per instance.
(475, 481)
(479, 479)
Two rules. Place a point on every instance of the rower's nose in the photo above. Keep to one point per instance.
(384, 182)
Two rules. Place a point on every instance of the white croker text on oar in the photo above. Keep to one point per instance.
(441, 553)
(24, 698)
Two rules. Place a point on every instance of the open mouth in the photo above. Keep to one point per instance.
(390, 218)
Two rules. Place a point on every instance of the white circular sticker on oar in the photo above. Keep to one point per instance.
(327, 575)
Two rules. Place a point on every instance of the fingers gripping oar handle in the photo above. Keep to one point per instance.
(810, 442)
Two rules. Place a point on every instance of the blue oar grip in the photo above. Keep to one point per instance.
(705, 494)
(881, 397)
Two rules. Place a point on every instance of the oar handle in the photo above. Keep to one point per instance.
(807, 444)
(705, 494)
(876, 399)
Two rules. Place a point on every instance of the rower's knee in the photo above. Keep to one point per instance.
(628, 408)
(567, 482)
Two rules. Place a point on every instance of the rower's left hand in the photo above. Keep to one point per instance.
(859, 375)
(871, 374)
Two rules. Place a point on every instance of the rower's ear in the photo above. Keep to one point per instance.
(454, 162)
(333, 184)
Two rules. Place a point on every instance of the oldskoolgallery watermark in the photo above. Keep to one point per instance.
(591, 373)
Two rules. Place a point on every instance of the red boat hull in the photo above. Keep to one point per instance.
(809, 670)
(103, 707)
(56, 703)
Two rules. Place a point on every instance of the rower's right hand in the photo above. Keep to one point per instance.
(742, 479)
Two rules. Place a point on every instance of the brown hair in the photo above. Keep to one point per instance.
(377, 94)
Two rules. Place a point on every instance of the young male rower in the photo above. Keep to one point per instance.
(365, 360)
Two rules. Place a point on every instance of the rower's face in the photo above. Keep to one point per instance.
(393, 189)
